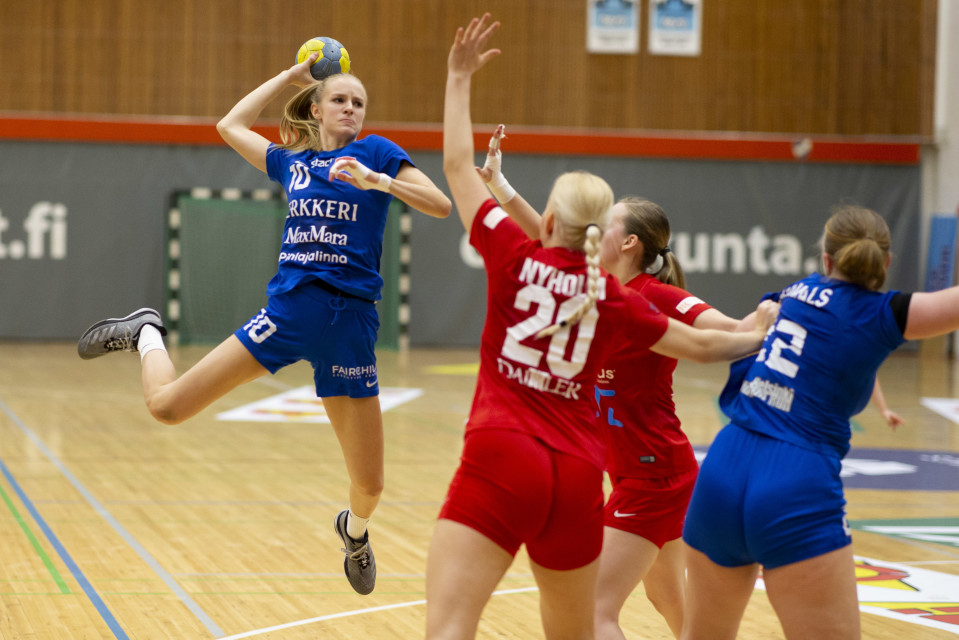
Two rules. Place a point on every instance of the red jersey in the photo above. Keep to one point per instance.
(635, 394)
(545, 387)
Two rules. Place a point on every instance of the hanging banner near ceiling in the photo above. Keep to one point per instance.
(612, 26)
(675, 27)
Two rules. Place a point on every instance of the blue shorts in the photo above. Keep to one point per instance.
(335, 333)
(763, 500)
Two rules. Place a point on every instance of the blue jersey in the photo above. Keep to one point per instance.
(333, 231)
(817, 366)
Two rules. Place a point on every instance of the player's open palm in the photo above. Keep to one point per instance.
(467, 55)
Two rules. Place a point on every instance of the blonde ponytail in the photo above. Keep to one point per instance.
(593, 275)
(298, 128)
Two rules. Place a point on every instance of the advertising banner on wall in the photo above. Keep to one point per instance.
(675, 27)
(612, 26)
(82, 228)
(739, 230)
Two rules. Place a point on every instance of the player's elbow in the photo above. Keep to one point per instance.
(227, 130)
(444, 209)
(438, 205)
(221, 127)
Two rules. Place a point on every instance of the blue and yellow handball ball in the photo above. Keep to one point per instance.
(333, 57)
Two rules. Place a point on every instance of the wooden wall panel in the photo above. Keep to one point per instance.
(825, 67)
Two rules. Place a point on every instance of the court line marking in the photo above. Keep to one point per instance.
(81, 579)
(356, 612)
(926, 546)
(184, 597)
(51, 568)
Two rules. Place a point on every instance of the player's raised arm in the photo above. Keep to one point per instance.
(466, 56)
(236, 127)
(511, 202)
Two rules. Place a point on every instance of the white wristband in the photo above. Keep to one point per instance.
(501, 189)
(384, 184)
(361, 174)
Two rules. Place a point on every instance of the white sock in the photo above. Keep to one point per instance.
(356, 526)
(149, 340)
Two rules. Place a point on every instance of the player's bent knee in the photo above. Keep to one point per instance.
(165, 413)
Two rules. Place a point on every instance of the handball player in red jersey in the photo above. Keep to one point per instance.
(533, 456)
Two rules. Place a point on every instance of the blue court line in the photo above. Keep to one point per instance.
(35, 543)
(81, 579)
(164, 575)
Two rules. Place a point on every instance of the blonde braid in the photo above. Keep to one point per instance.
(593, 275)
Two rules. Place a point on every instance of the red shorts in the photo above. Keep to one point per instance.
(652, 508)
(515, 490)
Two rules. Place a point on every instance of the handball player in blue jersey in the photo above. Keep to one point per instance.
(769, 493)
(321, 300)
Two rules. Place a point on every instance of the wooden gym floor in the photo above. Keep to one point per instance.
(115, 526)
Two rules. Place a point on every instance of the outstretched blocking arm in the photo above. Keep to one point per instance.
(465, 58)
(932, 313)
(716, 319)
(711, 345)
(236, 127)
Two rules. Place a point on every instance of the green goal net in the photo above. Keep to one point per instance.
(222, 250)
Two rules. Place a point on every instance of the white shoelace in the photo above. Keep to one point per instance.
(361, 555)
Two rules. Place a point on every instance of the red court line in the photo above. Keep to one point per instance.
(426, 137)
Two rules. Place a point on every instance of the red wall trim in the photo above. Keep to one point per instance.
(191, 131)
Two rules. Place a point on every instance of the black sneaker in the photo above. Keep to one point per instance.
(359, 564)
(117, 334)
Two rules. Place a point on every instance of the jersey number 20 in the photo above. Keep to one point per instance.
(547, 314)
